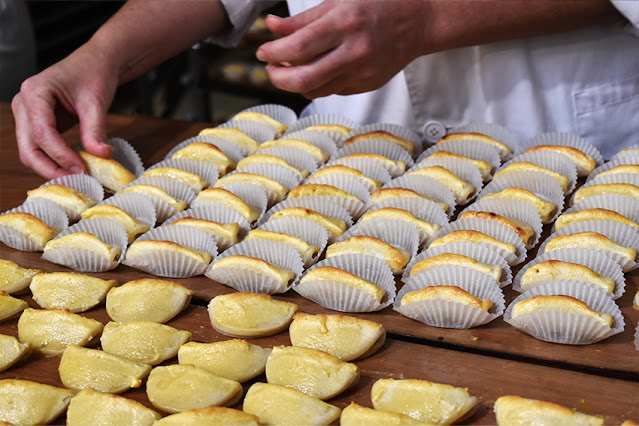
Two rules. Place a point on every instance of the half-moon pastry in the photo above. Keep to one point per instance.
(427, 229)
(381, 134)
(386, 162)
(72, 201)
(462, 189)
(317, 153)
(592, 214)
(209, 416)
(197, 183)
(395, 257)
(590, 240)
(270, 159)
(139, 249)
(107, 171)
(622, 168)
(383, 194)
(337, 128)
(11, 351)
(319, 190)
(24, 402)
(227, 231)
(229, 199)
(485, 168)
(85, 241)
(584, 162)
(280, 274)
(269, 185)
(474, 237)
(521, 228)
(625, 189)
(330, 273)
(234, 135)
(207, 152)
(69, 290)
(515, 410)
(262, 118)
(517, 166)
(14, 278)
(503, 149)
(305, 249)
(133, 227)
(89, 407)
(333, 225)
(557, 270)
(447, 293)
(546, 209)
(356, 415)
(10, 306)
(31, 227)
(493, 271)
(559, 303)
(155, 192)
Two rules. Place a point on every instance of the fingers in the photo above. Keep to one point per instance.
(93, 130)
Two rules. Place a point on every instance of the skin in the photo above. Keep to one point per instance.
(338, 47)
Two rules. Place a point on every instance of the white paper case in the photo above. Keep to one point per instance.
(306, 230)
(297, 158)
(549, 160)
(370, 167)
(317, 204)
(626, 206)
(353, 185)
(392, 128)
(125, 154)
(563, 327)
(137, 205)
(630, 151)
(47, 211)
(629, 159)
(466, 148)
(463, 169)
(82, 183)
(426, 187)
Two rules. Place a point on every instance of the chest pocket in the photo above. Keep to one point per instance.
(608, 115)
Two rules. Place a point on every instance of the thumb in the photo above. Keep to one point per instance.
(93, 130)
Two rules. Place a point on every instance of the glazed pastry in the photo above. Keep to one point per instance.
(592, 214)
(10, 306)
(557, 270)
(409, 146)
(229, 199)
(14, 278)
(395, 257)
(522, 229)
(356, 415)
(494, 271)
(89, 407)
(197, 183)
(234, 135)
(24, 402)
(72, 201)
(207, 152)
(107, 171)
(11, 351)
(590, 240)
(512, 410)
(484, 167)
(559, 303)
(385, 162)
(227, 231)
(463, 190)
(474, 237)
(622, 168)
(209, 416)
(155, 192)
(330, 273)
(447, 293)
(269, 185)
(319, 190)
(139, 249)
(384, 194)
(319, 155)
(270, 159)
(85, 241)
(337, 128)
(503, 149)
(334, 226)
(133, 227)
(69, 290)
(625, 189)
(262, 118)
(425, 228)
(518, 166)
(305, 249)
(280, 274)
(30, 227)
(584, 162)
(545, 208)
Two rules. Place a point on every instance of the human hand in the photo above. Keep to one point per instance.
(345, 47)
(80, 88)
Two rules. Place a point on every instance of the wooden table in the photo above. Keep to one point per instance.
(492, 360)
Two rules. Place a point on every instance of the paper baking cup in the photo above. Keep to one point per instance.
(297, 158)
(495, 131)
(535, 182)
(512, 209)
(564, 139)
(426, 187)
(205, 170)
(319, 119)
(272, 197)
(353, 207)
(563, 327)
(452, 275)
(376, 146)
(464, 248)
(83, 260)
(278, 173)
(214, 212)
(368, 166)
(422, 208)
(474, 150)
(590, 258)
(306, 230)
(315, 138)
(626, 206)
(317, 204)
(137, 205)
(630, 151)
(257, 131)
(232, 151)
(355, 186)
(82, 183)
(549, 160)
(278, 112)
(628, 159)
(253, 195)
(463, 169)
(394, 129)
(47, 211)
(344, 298)
(172, 187)
(125, 154)
(395, 232)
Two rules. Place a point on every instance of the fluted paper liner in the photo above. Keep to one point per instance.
(630, 152)
(344, 298)
(137, 205)
(370, 167)
(125, 154)
(467, 148)
(174, 188)
(563, 327)
(628, 159)
(630, 178)
(232, 151)
(253, 195)
(205, 170)
(278, 112)
(306, 230)
(272, 197)
(637, 337)
(392, 128)
(590, 258)
(82, 183)
(463, 169)
(357, 186)
(426, 187)
(495, 131)
(564, 139)
(319, 119)
(315, 138)
(422, 208)
(47, 211)
(549, 160)
(297, 158)
(626, 206)
(317, 204)
(392, 231)
(256, 130)
(376, 146)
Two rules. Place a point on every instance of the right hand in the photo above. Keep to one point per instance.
(78, 89)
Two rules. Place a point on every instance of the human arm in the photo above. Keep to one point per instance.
(81, 87)
(347, 47)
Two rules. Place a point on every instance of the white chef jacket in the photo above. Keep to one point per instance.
(584, 81)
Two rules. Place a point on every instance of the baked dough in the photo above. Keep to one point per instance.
(503, 149)
(395, 257)
(492, 270)
(426, 401)
(525, 166)
(234, 135)
(320, 190)
(107, 171)
(344, 337)
(306, 250)
(229, 199)
(30, 227)
(82, 368)
(234, 359)
(385, 162)
(592, 240)
(197, 183)
(330, 273)
(485, 168)
(262, 118)
(625, 189)
(521, 228)
(139, 250)
(426, 229)
(280, 274)
(12, 351)
(317, 153)
(147, 299)
(383, 135)
(383, 194)
(208, 153)
(209, 416)
(270, 159)
(559, 303)
(546, 209)
(175, 388)
(227, 231)
(14, 278)
(10, 306)
(463, 190)
(24, 402)
(557, 270)
(356, 415)
(69, 290)
(133, 227)
(448, 293)
(50, 331)
(73, 202)
(622, 168)
(269, 185)
(473, 237)
(337, 128)
(249, 314)
(345, 170)
(156, 193)
(311, 371)
(85, 241)
(280, 405)
(512, 410)
(333, 225)
(584, 162)
(89, 407)
(592, 214)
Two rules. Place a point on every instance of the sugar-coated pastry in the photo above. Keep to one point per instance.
(207, 152)
(319, 190)
(622, 168)
(139, 250)
(484, 167)
(262, 118)
(333, 225)
(82, 368)
(513, 410)
(356, 415)
(521, 228)
(342, 336)
(270, 159)
(447, 293)
(10, 306)
(386, 162)
(330, 273)
(383, 194)
(593, 240)
(305, 249)
(311, 371)
(317, 153)
(501, 147)
(234, 135)
(11, 351)
(427, 229)
(493, 270)
(72, 201)
(261, 315)
(209, 416)
(592, 214)
(133, 227)
(24, 402)
(29, 226)
(144, 342)
(14, 278)
(559, 303)
(234, 359)
(281, 405)
(107, 171)
(473, 237)
(557, 270)
(50, 331)
(337, 128)
(395, 257)
(345, 170)
(426, 401)
(69, 290)
(625, 189)
(85, 241)
(518, 166)
(147, 299)
(268, 184)
(229, 199)
(584, 162)
(279, 273)
(155, 192)
(227, 231)
(175, 388)
(383, 135)
(546, 209)
(462, 189)
(191, 179)
(89, 407)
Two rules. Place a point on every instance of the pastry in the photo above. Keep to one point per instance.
(175, 388)
(386, 162)
(206, 152)
(311, 371)
(209, 416)
(143, 342)
(234, 135)
(82, 368)
(280, 405)
(330, 273)
(69, 290)
(395, 257)
(333, 225)
(140, 249)
(12, 351)
(521, 228)
(73, 202)
(262, 118)
(197, 183)
(559, 303)
(229, 199)
(14, 278)
(546, 209)
(503, 149)
(24, 402)
(249, 314)
(85, 241)
(317, 153)
(426, 229)
(473, 237)
(89, 407)
(226, 231)
(426, 401)
(448, 293)
(512, 410)
(622, 168)
(526, 166)
(463, 190)
(592, 214)
(50, 331)
(383, 135)
(283, 276)
(320, 190)
(107, 171)
(356, 415)
(30, 227)
(10, 306)
(269, 185)
(557, 270)
(234, 359)
(133, 227)
(147, 299)
(590, 240)
(337, 128)
(156, 193)
(271, 159)
(344, 337)
(584, 162)
(384, 194)
(494, 271)
(306, 250)
(625, 189)
(485, 168)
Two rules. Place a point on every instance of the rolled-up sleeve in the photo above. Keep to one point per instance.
(630, 10)
(241, 14)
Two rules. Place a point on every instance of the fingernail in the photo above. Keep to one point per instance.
(76, 170)
(260, 55)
